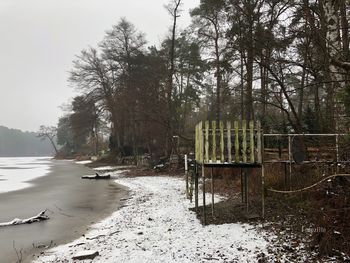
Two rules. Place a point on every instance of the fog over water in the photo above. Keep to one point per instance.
(39, 39)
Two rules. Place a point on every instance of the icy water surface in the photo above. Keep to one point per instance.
(17, 172)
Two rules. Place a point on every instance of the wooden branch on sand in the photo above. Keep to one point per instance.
(96, 177)
(39, 217)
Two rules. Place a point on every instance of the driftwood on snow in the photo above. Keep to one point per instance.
(96, 176)
(39, 217)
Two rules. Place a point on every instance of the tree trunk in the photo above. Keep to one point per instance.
(249, 66)
(218, 78)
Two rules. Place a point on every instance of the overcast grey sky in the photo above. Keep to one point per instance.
(38, 41)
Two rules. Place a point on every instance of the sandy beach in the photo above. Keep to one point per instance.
(72, 203)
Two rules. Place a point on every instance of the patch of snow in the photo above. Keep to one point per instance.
(111, 168)
(84, 162)
(103, 168)
(17, 172)
(156, 225)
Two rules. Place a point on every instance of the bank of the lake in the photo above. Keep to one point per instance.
(72, 203)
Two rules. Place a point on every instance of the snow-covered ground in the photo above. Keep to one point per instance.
(112, 168)
(16, 172)
(84, 162)
(155, 225)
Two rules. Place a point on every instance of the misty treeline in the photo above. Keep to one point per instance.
(285, 63)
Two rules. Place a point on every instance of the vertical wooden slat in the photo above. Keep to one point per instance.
(222, 145)
(229, 145)
(236, 141)
(244, 141)
(258, 135)
(213, 130)
(200, 128)
(251, 141)
(206, 141)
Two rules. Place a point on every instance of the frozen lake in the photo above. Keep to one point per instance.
(71, 203)
(17, 172)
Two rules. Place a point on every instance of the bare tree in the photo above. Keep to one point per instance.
(173, 8)
(48, 132)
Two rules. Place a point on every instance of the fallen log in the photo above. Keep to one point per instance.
(17, 221)
(96, 177)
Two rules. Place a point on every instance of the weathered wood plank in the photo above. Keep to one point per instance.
(244, 141)
(251, 141)
(206, 141)
(222, 145)
(201, 142)
(237, 155)
(259, 149)
(229, 145)
(213, 130)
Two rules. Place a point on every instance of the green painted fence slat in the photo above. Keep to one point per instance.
(229, 146)
(200, 142)
(236, 141)
(258, 143)
(251, 141)
(206, 141)
(222, 145)
(244, 141)
(213, 131)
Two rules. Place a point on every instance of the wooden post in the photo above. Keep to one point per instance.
(196, 143)
(206, 143)
(192, 177)
(186, 176)
(337, 152)
(204, 208)
(262, 176)
(246, 191)
(222, 145)
(244, 141)
(236, 142)
(212, 191)
(229, 145)
(196, 192)
(263, 191)
(242, 185)
(290, 161)
(213, 130)
(251, 140)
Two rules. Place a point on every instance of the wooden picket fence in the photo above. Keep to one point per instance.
(224, 143)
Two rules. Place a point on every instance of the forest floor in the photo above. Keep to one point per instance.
(157, 224)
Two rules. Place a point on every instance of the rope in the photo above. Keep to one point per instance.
(308, 187)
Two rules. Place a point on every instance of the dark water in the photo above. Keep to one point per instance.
(73, 204)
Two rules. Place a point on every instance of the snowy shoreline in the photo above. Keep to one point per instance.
(156, 225)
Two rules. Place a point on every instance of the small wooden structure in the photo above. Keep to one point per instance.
(228, 144)
(241, 144)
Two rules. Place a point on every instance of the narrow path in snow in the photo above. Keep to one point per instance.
(155, 225)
